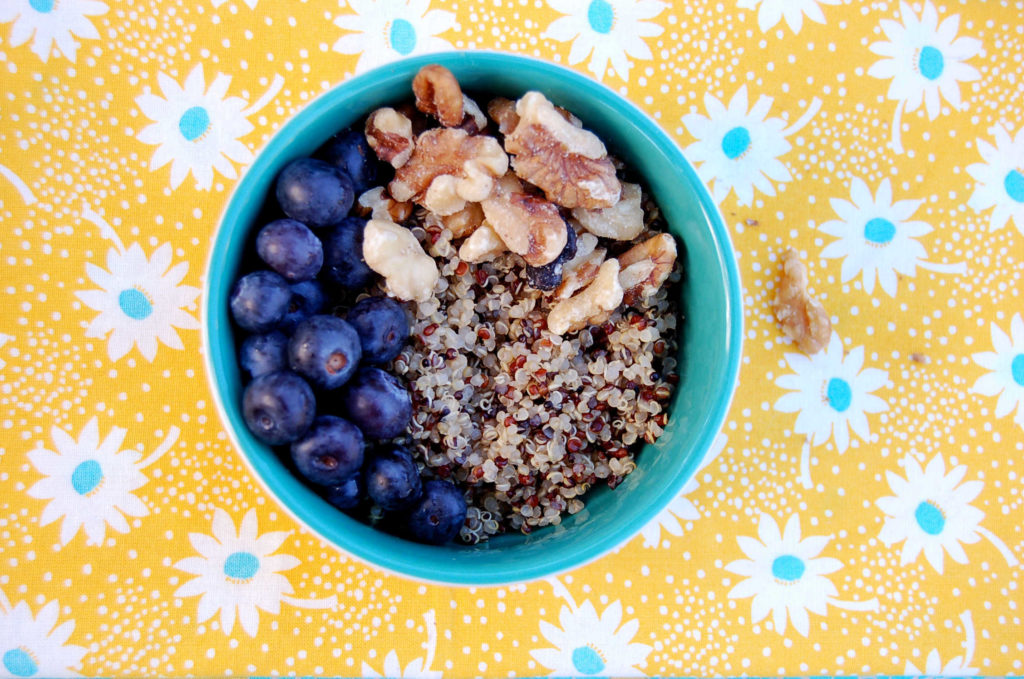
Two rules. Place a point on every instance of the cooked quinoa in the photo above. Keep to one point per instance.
(524, 420)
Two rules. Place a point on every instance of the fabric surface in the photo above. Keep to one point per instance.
(861, 511)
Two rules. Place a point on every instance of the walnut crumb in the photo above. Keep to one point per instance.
(803, 318)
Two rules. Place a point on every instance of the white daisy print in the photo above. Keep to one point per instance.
(877, 238)
(931, 513)
(925, 61)
(588, 644)
(606, 31)
(771, 12)
(36, 646)
(51, 23)
(786, 576)
(19, 185)
(91, 483)
(1000, 179)
(140, 299)
(959, 666)
(738, 149)
(385, 30)
(1006, 363)
(239, 574)
(197, 128)
(418, 667)
(681, 509)
(831, 393)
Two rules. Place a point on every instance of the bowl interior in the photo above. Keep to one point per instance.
(710, 333)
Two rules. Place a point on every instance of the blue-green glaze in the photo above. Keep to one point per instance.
(709, 354)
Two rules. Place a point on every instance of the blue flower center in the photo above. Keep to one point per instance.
(241, 566)
(402, 36)
(1014, 185)
(735, 142)
(788, 568)
(601, 16)
(839, 394)
(135, 304)
(1017, 369)
(930, 62)
(879, 231)
(87, 477)
(587, 661)
(194, 123)
(929, 518)
(44, 7)
(20, 662)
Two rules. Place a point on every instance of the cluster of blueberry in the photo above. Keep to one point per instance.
(304, 362)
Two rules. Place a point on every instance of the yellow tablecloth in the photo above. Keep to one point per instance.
(861, 511)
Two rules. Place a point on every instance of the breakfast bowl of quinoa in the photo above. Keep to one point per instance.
(472, 318)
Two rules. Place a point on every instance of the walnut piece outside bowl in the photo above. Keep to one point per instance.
(710, 332)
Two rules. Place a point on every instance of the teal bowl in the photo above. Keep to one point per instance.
(709, 354)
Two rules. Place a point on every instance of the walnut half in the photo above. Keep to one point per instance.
(438, 94)
(594, 303)
(579, 271)
(462, 166)
(529, 225)
(646, 266)
(393, 252)
(568, 163)
(622, 221)
(803, 318)
(389, 134)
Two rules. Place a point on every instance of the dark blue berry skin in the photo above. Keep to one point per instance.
(378, 403)
(262, 354)
(349, 493)
(382, 326)
(278, 407)
(549, 276)
(325, 350)
(438, 516)
(392, 479)
(349, 152)
(314, 192)
(291, 249)
(330, 452)
(344, 265)
(308, 298)
(259, 301)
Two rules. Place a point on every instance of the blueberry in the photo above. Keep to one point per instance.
(382, 327)
(349, 493)
(343, 255)
(438, 516)
(259, 300)
(313, 192)
(330, 452)
(278, 407)
(262, 354)
(549, 276)
(291, 249)
(325, 350)
(349, 152)
(377, 403)
(392, 479)
(307, 299)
